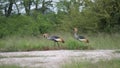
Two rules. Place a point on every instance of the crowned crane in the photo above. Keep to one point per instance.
(56, 39)
(80, 38)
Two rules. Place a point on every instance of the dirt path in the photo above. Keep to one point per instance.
(53, 59)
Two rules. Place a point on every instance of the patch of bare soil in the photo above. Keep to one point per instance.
(54, 58)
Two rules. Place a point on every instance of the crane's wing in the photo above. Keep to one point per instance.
(81, 37)
(53, 37)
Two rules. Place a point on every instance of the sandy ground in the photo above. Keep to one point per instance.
(54, 58)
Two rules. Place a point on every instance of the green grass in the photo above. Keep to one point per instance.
(117, 51)
(105, 41)
(23, 44)
(114, 63)
(30, 43)
(9, 66)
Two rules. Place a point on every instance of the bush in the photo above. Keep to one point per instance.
(20, 25)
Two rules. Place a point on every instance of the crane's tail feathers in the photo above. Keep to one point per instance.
(60, 40)
(63, 41)
(84, 40)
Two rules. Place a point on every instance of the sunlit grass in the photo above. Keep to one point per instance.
(28, 43)
(114, 63)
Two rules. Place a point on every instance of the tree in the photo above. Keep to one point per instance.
(17, 7)
(108, 12)
(8, 8)
(71, 15)
(46, 6)
(36, 2)
(27, 5)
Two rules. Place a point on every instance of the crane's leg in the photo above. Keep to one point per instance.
(54, 44)
(58, 44)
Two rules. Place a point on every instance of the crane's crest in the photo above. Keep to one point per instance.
(75, 30)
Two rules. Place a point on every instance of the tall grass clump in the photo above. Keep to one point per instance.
(72, 43)
(105, 41)
(114, 63)
(15, 43)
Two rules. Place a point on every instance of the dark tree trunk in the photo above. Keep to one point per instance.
(43, 7)
(18, 11)
(27, 5)
(36, 5)
(8, 12)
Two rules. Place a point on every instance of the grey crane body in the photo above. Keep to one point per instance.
(78, 37)
(56, 39)
(53, 38)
